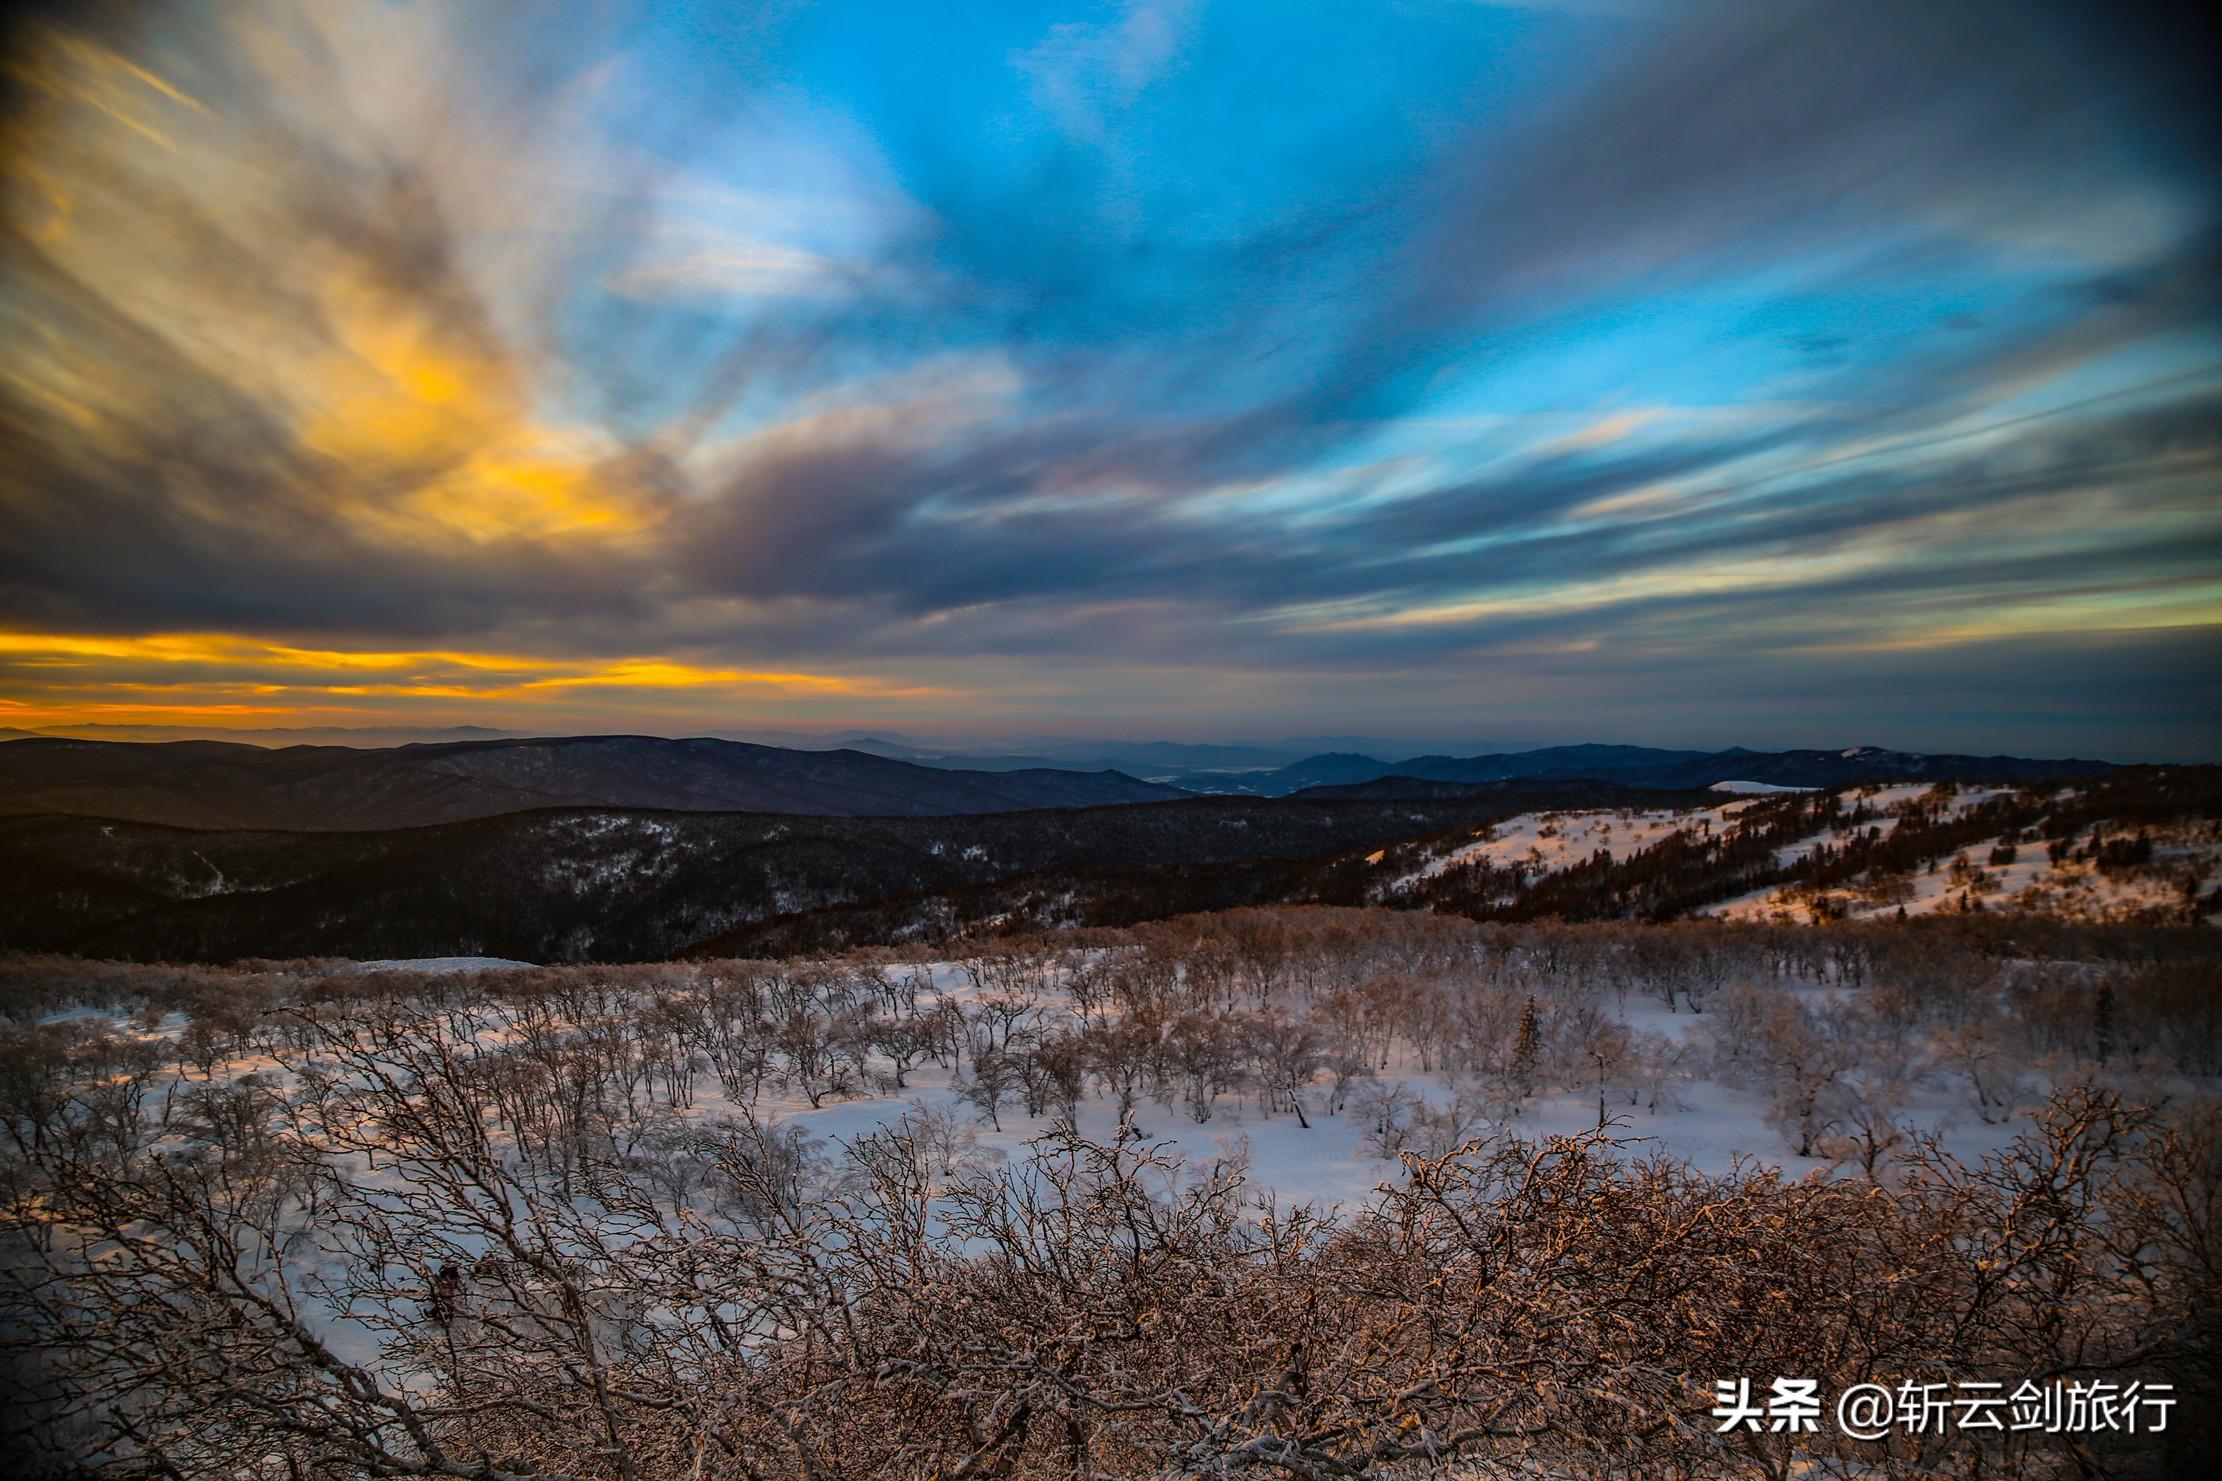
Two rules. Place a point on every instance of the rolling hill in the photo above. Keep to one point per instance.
(215, 784)
(1349, 775)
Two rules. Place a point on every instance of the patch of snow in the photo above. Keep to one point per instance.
(1543, 843)
(2032, 882)
(439, 964)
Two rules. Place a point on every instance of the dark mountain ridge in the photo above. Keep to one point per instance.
(219, 784)
(222, 784)
(1648, 767)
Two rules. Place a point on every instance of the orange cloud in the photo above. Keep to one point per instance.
(59, 678)
(406, 402)
(365, 326)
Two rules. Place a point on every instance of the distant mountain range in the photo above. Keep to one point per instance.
(1151, 760)
(215, 784)
(1347, 775)
(1196, 766)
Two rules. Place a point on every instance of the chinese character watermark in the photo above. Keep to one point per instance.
(1873, 1411)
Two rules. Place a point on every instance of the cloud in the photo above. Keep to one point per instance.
(743, 268)
(472, 335)
(1085, 74)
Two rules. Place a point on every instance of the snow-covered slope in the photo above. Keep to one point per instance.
(2012, 870)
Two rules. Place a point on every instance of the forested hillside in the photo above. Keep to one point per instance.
(568, 885)
(585, 885)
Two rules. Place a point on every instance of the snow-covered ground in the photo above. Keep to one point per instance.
(1711, 1116)
(440, 964)
(1543, 842)
(2032, 881)
(1712, 1124)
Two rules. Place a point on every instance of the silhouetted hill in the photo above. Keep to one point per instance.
(1334, 768)
(1645, 767)
(217, 784)
(1391, 788)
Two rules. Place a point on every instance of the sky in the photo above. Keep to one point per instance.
(1773, 374)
